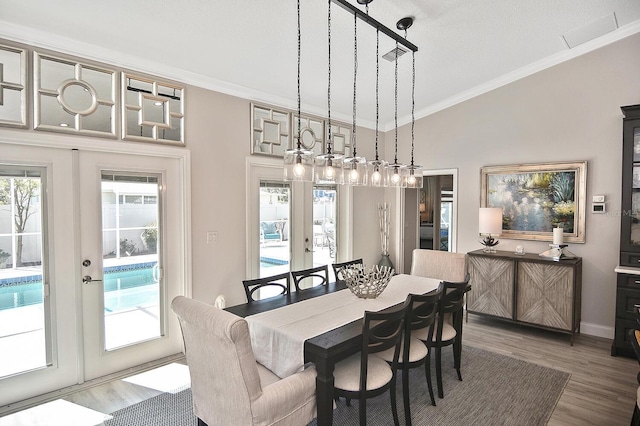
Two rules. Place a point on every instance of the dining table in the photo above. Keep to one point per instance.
(320, 325)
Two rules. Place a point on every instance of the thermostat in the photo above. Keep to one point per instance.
(598, 208)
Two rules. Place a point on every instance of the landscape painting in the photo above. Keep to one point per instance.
(535, 198)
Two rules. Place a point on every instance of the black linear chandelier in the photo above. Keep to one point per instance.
(301, 165)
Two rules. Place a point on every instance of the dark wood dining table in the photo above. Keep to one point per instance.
(323, 350)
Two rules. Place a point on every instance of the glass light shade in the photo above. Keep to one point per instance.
(490, 221)
(329, 169)
(397, 173)
(355, 171)
(414, 177)
(298, 165)
(378, 173)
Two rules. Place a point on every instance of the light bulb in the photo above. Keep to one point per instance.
(298, 170)
(329, 172)
(354, 175)
(411, 180)
(395, 178)
(376, 177)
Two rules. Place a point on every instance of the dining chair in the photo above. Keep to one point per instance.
(228, 386)
(278, 284)
(448, 327)
(365, 375)
(313, 276)
(420, 320)
(338, 266)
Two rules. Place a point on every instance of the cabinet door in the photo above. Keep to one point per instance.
(491, 282)
(630, 219)
(545, 294)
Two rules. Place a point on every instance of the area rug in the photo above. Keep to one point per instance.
(496, 390)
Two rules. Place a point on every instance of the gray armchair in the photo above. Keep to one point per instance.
(229, 387)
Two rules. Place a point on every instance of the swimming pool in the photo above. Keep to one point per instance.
(125, 288)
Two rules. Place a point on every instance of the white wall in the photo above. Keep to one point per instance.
(569, 112)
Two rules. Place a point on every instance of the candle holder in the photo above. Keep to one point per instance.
(558, 252)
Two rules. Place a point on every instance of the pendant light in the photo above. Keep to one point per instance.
(414, 175)
(378, 169)
(298, 162)
(329, 165)
(397, 170)
(354, 167)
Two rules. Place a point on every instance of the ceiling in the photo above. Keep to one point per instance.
(248, 48)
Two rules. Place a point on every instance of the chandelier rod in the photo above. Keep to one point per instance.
(374, 23)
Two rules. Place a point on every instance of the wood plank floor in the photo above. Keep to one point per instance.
(601, 390)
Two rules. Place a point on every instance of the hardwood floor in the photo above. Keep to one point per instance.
(601, 390)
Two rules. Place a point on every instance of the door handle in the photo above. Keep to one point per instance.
(87, 279)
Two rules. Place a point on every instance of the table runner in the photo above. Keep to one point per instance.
(278, 336)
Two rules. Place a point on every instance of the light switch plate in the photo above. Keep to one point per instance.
(598, 199)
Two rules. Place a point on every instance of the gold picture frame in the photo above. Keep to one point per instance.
(536, 198)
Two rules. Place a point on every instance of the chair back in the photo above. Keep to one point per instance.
(452, 301)
(314, 276)
(441, 265)
(337, 267)
(223, 369)
(380, 331)
(277, 283)
(422, 313)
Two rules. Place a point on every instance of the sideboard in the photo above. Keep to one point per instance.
(527, 289)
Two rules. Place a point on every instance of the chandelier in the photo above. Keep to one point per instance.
(301, 165)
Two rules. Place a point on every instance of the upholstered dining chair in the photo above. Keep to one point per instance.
(634, 335)
(276, 284)
(448, 327)
(441, 265)
(365, 375)
(421, 316)
(338, 266)
(229, 387)
(312, 277)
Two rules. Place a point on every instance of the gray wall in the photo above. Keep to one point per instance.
(569, 112)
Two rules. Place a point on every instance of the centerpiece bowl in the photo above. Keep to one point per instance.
(367, 283)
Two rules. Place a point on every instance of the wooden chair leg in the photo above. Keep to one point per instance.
(201, 423)
(405, 396)
(362, 405)
(457, 355)
(427, 370)
(394, 406)
(439, 372)
(635, 419)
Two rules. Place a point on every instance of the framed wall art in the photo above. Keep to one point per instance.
(535, 198)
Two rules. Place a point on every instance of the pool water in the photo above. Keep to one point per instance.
(124, 290)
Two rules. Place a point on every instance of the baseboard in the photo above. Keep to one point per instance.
(597, 330)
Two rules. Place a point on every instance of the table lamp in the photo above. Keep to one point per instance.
(490, 223)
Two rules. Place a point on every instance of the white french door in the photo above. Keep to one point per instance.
(123, 216)
(130, 249)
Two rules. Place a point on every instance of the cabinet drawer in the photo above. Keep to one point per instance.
(630, 281)
(626, 299)
(629, 259)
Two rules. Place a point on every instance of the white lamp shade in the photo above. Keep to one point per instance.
(490, 220)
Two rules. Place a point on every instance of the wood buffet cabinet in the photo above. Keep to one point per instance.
(526, 289)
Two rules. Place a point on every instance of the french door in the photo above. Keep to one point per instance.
(86, 288)
(291, 225)
(128, 238)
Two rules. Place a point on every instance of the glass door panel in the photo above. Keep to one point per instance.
(24, 302)
(324, 225)
(274, 229)
(131, 291)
